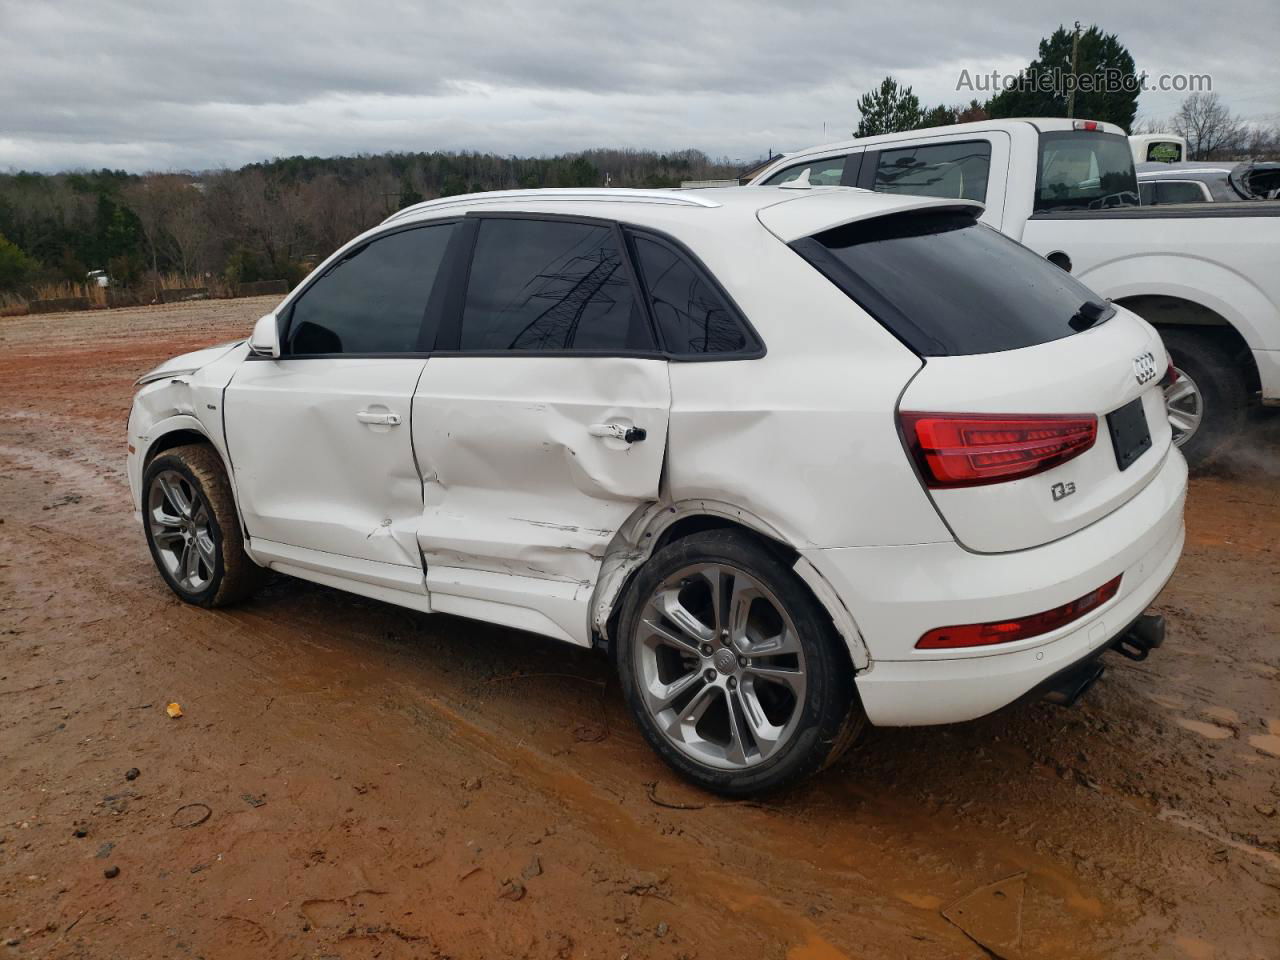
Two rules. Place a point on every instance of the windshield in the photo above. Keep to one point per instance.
(1085, 170)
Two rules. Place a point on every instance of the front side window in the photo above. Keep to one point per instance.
(958, 171)
(1085, 170)
(822, 173)
(692, 317)
(372, 300)
(551, 285)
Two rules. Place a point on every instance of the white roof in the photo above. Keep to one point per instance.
(789, 214)
(1044, 124)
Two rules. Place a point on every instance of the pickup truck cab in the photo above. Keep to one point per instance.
(1204, 275)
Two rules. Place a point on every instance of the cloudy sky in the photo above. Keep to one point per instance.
(184, 85)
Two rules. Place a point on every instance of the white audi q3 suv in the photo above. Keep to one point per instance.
(801, 460)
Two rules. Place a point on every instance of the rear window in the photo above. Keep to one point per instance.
(947, 286)
(1084, 170)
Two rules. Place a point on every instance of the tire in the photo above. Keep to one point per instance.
(787, 667)
(207, 532)
(1210, 368)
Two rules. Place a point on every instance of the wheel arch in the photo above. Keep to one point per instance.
(177, 431)
(1166, 310)
(661, 524)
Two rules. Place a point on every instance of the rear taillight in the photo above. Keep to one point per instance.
(969, 449)
(1085, 125)
(1007, 631)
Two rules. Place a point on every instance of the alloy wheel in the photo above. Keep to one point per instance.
(1184, 405)
(179, 520)
(720, 666)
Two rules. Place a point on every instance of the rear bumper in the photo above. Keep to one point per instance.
(897, 593)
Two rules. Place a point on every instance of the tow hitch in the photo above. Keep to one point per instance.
(1144, 635)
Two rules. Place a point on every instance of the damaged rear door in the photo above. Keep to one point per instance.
(320, 438)
(540, 422)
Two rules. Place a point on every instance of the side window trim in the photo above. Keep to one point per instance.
(285, 319)
(755, 346)
(867, 171)
(852, 169)
(453, 297)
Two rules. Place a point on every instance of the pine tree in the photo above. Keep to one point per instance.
(889, 109)
(1101, 56)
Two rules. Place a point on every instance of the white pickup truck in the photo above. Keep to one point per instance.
(1206, 275)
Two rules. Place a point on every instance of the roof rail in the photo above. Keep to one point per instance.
(615, 195)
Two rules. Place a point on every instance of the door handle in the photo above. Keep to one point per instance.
(383, 419)
(616, 431)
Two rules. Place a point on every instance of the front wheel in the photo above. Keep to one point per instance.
(192, 529)
(733, 671)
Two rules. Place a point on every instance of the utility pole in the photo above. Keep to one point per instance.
(1075, 60)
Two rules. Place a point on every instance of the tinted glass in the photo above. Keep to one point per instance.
(372, 301)
(1164, 151)
(1147, 191)
(955, 170)
(551, 285)
(822, 173)
(1179, 191)
(1083, 170)
(947, 286)
(692, 317)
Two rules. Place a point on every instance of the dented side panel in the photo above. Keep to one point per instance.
(515, 481)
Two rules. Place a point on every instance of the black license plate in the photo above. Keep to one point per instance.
(1130, 435)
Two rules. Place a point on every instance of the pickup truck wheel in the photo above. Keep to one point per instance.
(1208, 401)
(192, 528)
(732, 669)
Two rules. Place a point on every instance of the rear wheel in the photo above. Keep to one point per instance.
(192, 529)
(732, 669)
(1208, 401)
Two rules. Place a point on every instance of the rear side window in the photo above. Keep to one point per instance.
(551, 285)
(822, 173)
(373, 300)
(1085, 170)
(1179, 191)
(693, 317)
(947, 286)
(958, 171)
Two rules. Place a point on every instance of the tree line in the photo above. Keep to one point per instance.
(272, 220)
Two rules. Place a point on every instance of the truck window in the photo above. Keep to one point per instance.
(1085, 170)
(1164, 151)
(946, 285)
(953, 170)
(1180, 191)
(822, 173)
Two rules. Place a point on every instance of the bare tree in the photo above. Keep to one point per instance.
(186, 224)
(148, 202)
(1208, 126)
